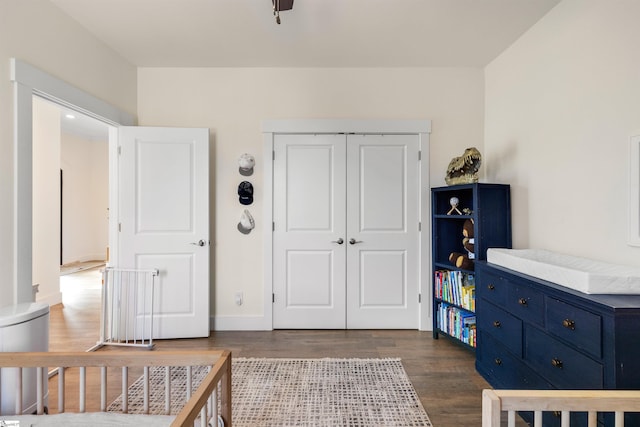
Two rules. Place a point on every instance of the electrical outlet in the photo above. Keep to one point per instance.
(238, 298)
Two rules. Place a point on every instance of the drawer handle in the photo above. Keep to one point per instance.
(556, 363)
(498, 361)
(569, 324)
(491, 287)
(522, 301)
(496, 323)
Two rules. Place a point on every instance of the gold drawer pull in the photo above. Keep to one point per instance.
(498, 361)
(522, 301)
(569, 324)
(556, 362)
(491, 287)
(496, 323)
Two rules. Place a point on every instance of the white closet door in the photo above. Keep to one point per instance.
(382, 231)
(309, 214)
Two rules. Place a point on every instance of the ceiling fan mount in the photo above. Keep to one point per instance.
(280, 5)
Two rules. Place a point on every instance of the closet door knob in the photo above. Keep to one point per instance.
(522, 301)
(339, 241)
(353, 241)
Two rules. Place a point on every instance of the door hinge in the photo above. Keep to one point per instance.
(419, 298)
(273, 226)
(119, 227)
(420, 226)
(274, 154)
(119, 150)
(419, 155)
(273, 297)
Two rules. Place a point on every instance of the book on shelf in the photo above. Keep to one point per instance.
(456, 287)
(457, 323)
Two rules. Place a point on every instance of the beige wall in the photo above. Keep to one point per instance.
(232, 102)
(561, 104)
(36, 32)
(85, 165)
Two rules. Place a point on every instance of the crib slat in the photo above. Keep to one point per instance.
(83, 389)
(189, 381)
(146, 389)
(40, 376)
(537, 419)
(103, 388)
(565, 419)
(125, 390)
(511, 419)
(592, 419)
(619, 419)
(19, 391)
(203, 416)
(61, 386)
(167, 391)
(213, 402)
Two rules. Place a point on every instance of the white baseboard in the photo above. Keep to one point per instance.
(51, 299)
(240, 323)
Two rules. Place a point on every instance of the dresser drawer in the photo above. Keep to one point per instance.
(575, 326)
(561, 365)
(504, 369)
(501, 325)
(491, 287)
(526, 303)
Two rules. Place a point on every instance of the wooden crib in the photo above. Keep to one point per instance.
(111, 373)
(561, 402)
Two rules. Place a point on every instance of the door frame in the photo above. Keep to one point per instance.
(29, 81)
(422, 128)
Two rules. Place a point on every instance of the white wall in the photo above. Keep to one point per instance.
(232, 102)
(46, 201)
(36, 32)
(85, 166)
(561, 104)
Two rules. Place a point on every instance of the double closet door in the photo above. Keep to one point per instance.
(346, 231)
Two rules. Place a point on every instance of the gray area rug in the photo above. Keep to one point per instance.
(304, 392)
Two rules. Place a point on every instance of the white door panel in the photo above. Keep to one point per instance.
(164, 214)
(382, 219)
(309, 204)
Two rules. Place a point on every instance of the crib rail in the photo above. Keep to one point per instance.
(494, 402)
(210, 400)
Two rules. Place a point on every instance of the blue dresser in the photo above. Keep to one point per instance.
(534, 334)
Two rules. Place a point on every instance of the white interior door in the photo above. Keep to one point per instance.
(164, 222)
(329, 191)
(382, 231)
(309, 222)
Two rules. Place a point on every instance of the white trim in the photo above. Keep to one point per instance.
(425, 322)
(29, 81)
(634, 191)
(420, 127)
(346, 126)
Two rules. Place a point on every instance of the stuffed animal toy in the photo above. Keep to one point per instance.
(460, 260)
(468, 240)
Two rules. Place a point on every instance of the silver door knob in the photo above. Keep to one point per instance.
(199, 243)
(339, 241)
(353, 241)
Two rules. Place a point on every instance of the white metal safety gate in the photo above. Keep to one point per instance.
(127, 307)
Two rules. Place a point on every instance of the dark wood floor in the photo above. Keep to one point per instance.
(442, 372)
